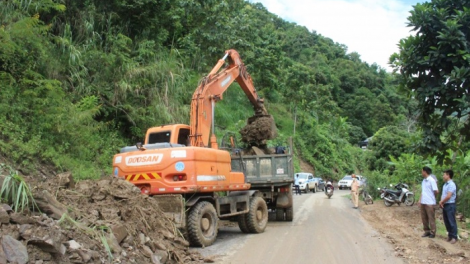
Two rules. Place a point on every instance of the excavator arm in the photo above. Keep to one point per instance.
(211, 90)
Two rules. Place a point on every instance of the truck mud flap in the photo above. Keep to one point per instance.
(173, 208)
(284, 200)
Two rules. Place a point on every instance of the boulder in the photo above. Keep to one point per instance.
(162, 255)
(66, 180)
(26, 231)
(48, 244)
(20, 219)
(49, 205)
(15, 251)
(120, 232)
(147, 251)
(3, 258)
(73, 244)
(7, 208)
(4, 217)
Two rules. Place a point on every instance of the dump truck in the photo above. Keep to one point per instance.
(272, 175)
(193, 180)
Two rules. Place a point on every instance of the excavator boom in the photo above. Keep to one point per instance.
(211, 90)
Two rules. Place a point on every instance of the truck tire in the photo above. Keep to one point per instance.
(242, 223)
(307, 189)
(290, 214)
(202, 224)
(279, 214)
(257, 217)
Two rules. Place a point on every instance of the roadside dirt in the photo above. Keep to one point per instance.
(402, 227)
(105, 221)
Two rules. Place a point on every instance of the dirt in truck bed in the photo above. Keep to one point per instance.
(105, 221)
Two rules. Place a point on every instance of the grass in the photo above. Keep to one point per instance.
(16, 191)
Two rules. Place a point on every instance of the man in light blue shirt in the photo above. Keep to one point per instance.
(427, 201)
(447, 203)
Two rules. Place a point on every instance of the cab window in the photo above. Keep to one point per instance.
(160, 137)
(183, 136)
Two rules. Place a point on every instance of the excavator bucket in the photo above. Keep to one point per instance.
(259, 129)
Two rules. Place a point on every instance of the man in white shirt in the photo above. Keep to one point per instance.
(427, 202)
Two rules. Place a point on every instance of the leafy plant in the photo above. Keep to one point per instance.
(16, 191)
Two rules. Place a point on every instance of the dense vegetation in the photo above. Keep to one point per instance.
(80, 79)
(83, 78)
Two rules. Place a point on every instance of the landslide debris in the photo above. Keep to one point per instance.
(258, 130)
(105, 221)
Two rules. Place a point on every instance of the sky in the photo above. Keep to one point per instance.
(372, 28)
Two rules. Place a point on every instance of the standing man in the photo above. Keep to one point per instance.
(427, 202)
(355, 192)
(297, 185)
(429, 171)
(447, 203)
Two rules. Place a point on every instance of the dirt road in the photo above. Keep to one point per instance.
(323, 231)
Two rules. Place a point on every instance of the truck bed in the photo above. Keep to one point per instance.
(265, 170)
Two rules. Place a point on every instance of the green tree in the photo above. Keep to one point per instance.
(435, 65)
(390, 141)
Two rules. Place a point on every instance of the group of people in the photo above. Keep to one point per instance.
(427, 203)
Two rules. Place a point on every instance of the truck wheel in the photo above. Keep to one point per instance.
(242, 223)
(202, 224)
(279, 214)
(257, 217)
(307, 189)
(290, 214)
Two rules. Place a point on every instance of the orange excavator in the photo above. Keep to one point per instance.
(183, 165)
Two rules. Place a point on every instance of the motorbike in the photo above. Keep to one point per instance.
(366, 197)
(382, 192)
(329, 189)
(398, 196)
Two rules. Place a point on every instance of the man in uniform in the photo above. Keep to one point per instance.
(355, 192)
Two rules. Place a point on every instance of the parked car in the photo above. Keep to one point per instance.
(346, 181)
(320, 183)
(305, 182)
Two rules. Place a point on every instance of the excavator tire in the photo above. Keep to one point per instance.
(257, 217)
(290, 214)
(202, 224)
(243, 224)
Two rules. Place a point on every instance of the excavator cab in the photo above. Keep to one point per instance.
(173, 134)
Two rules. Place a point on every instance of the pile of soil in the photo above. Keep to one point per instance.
(402, 227)
(258, 130)
(105, 221)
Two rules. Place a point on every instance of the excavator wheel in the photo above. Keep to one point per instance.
(243, 224)
(202, 224)
(257, 217)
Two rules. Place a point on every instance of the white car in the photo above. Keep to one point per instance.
(346, 181)
(305, 181)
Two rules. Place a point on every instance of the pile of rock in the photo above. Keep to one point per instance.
(106, 221)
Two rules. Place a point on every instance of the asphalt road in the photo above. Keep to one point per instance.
(323, 231)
